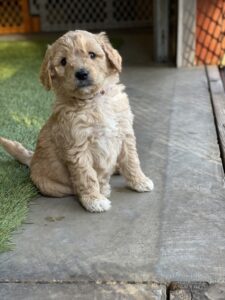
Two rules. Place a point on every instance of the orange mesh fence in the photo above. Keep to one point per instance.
(15, 17)
(210, 41)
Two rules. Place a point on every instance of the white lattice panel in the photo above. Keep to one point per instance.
(59, 15)
(34, 6)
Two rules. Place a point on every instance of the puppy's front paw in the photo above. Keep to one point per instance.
(143, 185)
(96, 204)
(105, 190)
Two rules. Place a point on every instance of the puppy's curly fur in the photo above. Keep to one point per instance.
(90, 131)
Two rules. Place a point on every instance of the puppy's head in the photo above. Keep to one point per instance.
(78, 64)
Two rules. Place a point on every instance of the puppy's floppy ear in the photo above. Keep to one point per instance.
(45, 73)
(111, 53)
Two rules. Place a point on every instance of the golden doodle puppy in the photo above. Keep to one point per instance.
(90, 131)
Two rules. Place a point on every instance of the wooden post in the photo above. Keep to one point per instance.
(161, 30)
(186, 33)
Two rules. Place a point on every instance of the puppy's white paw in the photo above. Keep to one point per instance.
(96, 205)
(144, 185)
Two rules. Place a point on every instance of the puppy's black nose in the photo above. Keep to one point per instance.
(82, 74)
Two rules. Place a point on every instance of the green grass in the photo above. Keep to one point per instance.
(24, 107)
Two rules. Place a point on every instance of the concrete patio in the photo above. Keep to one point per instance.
(146, 241)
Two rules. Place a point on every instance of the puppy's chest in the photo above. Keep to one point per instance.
(104, 128)
(96, 126)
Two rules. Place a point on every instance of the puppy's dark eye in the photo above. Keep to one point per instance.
(63, 61)
(92, 55)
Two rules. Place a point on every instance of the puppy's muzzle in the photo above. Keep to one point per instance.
(82, 74)
(83, 78)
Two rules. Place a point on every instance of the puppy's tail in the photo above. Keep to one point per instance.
(17, 150)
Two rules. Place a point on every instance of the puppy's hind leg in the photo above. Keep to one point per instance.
(52, 188)
(129, 165)
(116, 170)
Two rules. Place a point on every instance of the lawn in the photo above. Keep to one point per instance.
(24, 107)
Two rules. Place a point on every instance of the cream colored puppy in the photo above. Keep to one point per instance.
(90, 131)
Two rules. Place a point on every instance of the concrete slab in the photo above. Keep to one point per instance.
(175, 233)
(197, 291)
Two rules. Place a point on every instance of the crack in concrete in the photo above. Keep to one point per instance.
(81, 281)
